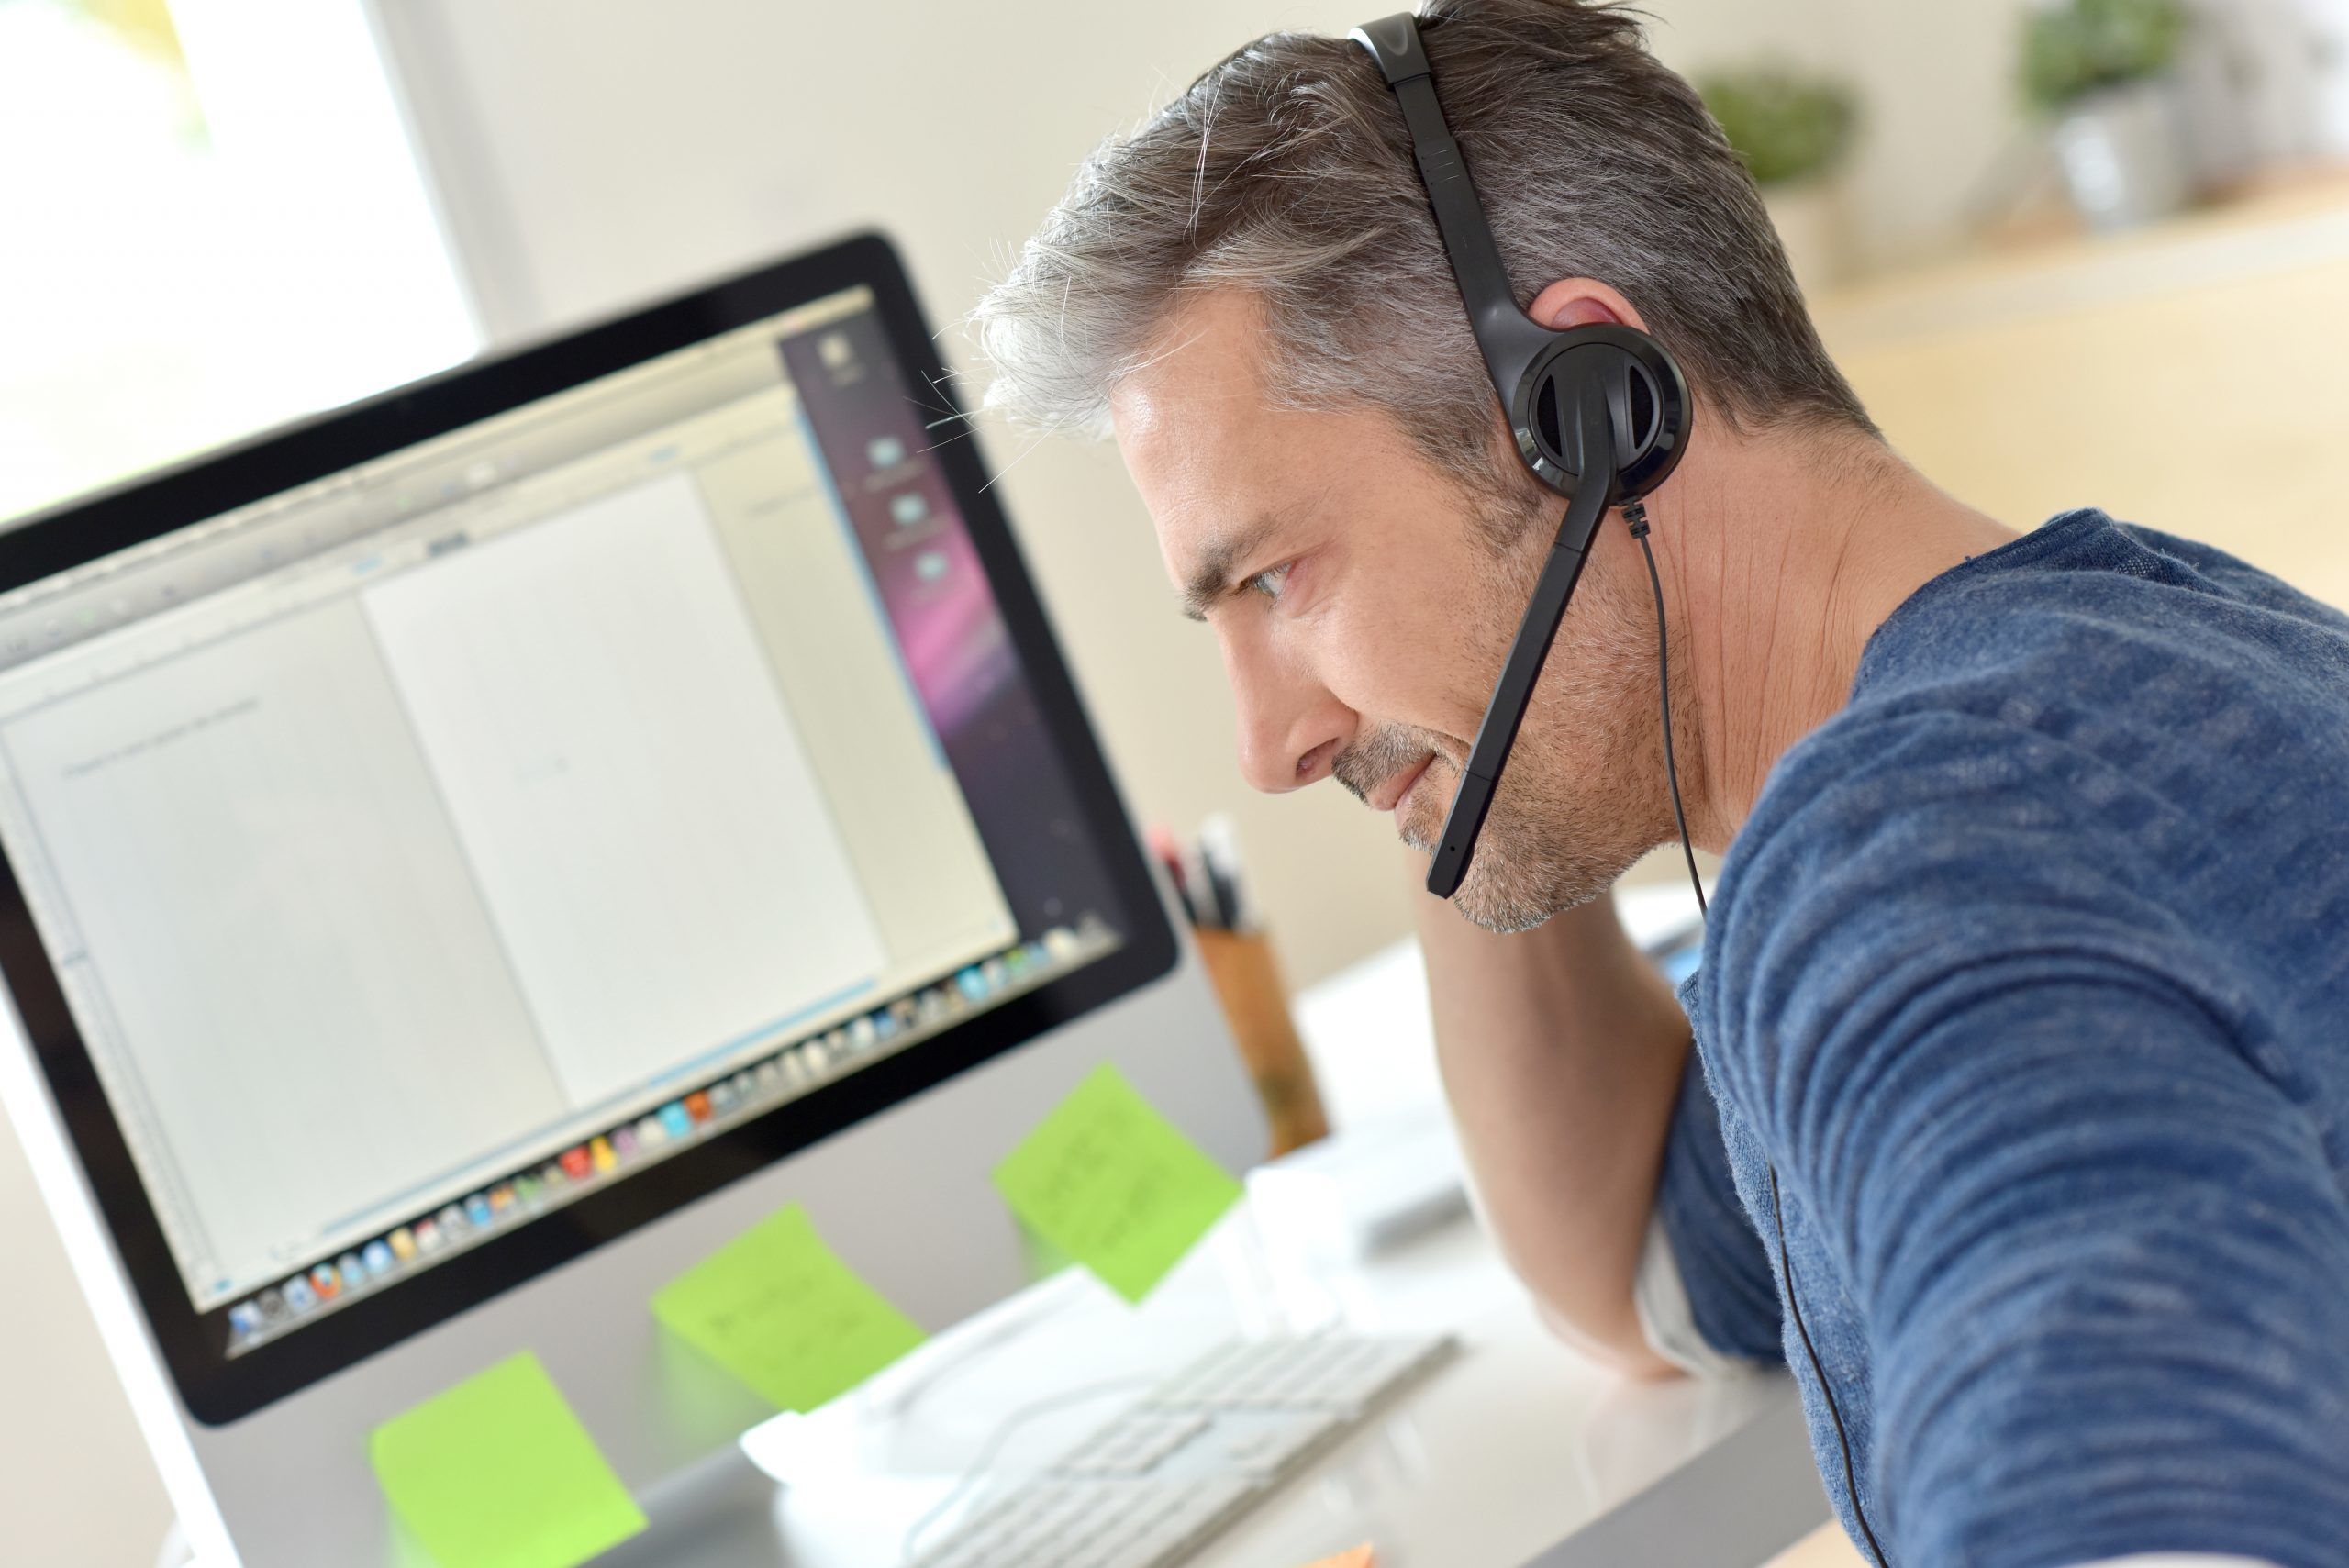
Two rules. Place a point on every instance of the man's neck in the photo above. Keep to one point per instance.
(1781, 556)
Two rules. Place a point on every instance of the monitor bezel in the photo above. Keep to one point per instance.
(217, 1389)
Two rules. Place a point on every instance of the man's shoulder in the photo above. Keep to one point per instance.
(2118, 645)
(2098, 611)
(2103, 703)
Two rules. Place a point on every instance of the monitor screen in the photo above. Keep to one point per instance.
(425, 848)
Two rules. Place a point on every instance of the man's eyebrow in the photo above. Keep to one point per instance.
(1211, 578)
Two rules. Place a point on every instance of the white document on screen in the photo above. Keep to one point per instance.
(624, 774)
(294, 965)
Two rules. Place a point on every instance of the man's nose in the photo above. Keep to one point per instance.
(1291, 728)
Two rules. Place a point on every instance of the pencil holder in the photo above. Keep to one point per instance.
(1248, 982)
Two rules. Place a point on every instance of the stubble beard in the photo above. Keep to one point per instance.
(1573, 810)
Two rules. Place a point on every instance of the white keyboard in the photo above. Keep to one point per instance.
(1167, 1474)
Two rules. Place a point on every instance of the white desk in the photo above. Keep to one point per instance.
(1511, 1448)
(1518, 1446)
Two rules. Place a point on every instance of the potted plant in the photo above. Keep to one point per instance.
(2329, 65)
(2101, 69)
(1794, 132)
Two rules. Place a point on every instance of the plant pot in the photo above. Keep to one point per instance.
(2328, 65)
(2124, 157)
(1814, 225)
(2261, 82)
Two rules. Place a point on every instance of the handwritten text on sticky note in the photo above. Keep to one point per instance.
(1114, 1184)
(779, 1309)
(497, 1473)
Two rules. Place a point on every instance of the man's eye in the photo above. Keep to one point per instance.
(1268, 581)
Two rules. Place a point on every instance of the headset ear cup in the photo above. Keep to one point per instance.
(1657, 413)
(1561, 383)
(1618, 384)
(1645, 395)
(1549, 426)
(1638, 416)
(1645, 409)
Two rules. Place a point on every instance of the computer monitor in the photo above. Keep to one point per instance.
(471, 854)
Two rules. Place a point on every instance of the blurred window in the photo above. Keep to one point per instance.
(211, 220)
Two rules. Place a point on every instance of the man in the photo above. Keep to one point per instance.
(2026, 998)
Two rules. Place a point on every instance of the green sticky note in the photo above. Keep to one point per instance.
(776, 1307)
(497, 1473)
(1114, 1184)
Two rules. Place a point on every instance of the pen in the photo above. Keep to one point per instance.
(1169, 855)
(1205, 911)
(1220, 858)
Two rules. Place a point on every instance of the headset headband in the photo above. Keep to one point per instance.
(1511, 340)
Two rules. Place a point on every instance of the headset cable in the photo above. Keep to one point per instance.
(1635, 516)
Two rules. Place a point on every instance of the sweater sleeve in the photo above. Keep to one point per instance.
(1706, 1299)
(2080, 1202)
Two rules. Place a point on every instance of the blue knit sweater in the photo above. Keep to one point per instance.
(2031, 975)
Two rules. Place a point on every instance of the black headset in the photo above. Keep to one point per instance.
(1600, 414)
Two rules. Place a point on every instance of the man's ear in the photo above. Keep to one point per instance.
(1582, 301)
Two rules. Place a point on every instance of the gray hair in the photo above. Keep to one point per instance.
(1285, 171)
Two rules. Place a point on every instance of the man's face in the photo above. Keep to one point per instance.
(1364, 601)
